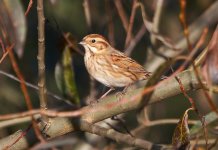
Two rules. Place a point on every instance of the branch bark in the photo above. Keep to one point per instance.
(41, 56)
(108, 107)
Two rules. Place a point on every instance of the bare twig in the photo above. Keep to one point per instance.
(135, 40)
(34, 87)
(131, 21)
(3, 56)
(50, 113)
(110, 23)
(70, 44)
(122, 14)
(41, 56)
(2, 45)
(87, 11)
(156, 19)
(208, 18)
(182, 17)
(16, 121)
(193, 105)
(5, 53)
(149, 26)
(158, 123)
(25, 92)
(29, 7)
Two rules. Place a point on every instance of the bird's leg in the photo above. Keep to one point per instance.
(125, 89)
(105, 94)
(121, 94)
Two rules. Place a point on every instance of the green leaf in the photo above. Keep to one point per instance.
(65, 78)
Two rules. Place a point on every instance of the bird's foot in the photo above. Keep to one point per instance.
(105, 94)
(120, 95)
(92, 102)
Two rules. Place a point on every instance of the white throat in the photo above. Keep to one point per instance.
(89, 48)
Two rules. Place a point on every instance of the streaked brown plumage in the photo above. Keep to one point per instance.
(108, 65)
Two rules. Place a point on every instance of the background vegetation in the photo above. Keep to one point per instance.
(66, 23)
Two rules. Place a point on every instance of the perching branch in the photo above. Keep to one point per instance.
(111, 105)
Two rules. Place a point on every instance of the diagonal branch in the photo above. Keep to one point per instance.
(111, 106)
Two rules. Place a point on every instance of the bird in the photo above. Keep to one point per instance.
(110, 66)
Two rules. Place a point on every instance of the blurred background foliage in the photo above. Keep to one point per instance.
(68, 16)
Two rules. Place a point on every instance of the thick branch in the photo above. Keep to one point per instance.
(118, 137)
(111, 106)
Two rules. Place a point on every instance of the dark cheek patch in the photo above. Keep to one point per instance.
(102, 45)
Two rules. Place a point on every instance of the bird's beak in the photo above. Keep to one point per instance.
(82, 43)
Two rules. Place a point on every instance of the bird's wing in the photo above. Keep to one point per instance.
(122, 61)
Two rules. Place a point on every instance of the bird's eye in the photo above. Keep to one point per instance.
(93, 41)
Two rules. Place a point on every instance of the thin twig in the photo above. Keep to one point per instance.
(50, 113)
(70, 44)
(122, 14)
(57, 97)
(158, 123)
(2, 45)
(41, 57)
(25, 92)
(156, 19)
(3, 57)
(135, 40)
(131, 21)
(87, 11)
(206, 19)
(182, 17)
(29, 7)
(193, 105)
(108, 9)
(5, 52)
(149, 26)
(16, 121)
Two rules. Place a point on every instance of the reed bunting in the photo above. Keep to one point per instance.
(110, 66)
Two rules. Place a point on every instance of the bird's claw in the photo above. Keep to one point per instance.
(120, 95)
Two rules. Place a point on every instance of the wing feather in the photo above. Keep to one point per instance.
(125, 63)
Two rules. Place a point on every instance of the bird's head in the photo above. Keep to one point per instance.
(95, 43)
